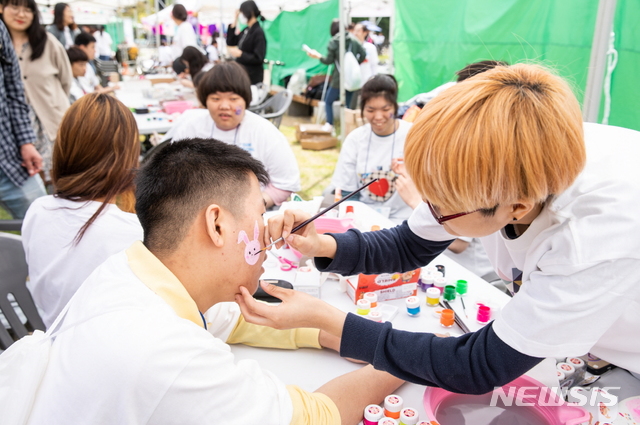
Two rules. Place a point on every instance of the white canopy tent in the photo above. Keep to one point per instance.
(90, 12)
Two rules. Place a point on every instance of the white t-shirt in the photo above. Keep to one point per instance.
(57, 267)
(369, 67)
(574, 270)
(90, 80)
(103, 43)
(212, 52)
(365, 155)
(255, 134)
(474, 258)
(185, 36)
(76, 91)
(128, 358)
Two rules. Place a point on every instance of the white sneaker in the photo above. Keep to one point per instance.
(327, 127)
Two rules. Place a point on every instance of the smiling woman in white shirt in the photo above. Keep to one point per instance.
(70, 233)
(225, 90)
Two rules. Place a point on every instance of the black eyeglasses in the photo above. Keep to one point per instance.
(442, 218)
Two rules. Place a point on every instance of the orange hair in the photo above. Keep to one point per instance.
(510, 134)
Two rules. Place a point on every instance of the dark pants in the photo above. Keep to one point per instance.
(331, 96)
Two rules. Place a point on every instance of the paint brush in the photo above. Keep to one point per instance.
(464, 308)
(329, 208)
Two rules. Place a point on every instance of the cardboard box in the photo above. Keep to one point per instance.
(352, 120)
(387, 286)
(309, 131)
(318, 143)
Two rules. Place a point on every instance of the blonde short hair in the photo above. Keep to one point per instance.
(509, 134)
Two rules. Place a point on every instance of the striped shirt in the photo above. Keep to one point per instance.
(15, 127)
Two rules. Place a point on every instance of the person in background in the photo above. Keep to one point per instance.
(63, 27)
(369, 67)
(368, 151)
(78, 59)
(184, 34)
(332, 58)
(248, 46)
(466, 251)
(46, 72)
(212, 50)
(103, 44)
(191, 63)
(225, 91)
(20, 161)
(94, 164)
(90, 81)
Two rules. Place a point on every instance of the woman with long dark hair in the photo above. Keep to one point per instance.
(46, 72)
(68, 234)
(190, 63)
(64, 27)
(248, 46)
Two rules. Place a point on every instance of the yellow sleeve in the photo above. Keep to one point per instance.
(312, 408)
(264, 336)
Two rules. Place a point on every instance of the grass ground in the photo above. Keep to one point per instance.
(316, 167)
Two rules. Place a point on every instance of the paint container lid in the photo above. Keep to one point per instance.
(373, 413)
(575, 362)
(371, 296)
(393, 403)
(431, 270)
(447, 317)
(462, 286)
(437, 312)
(387, 421)
(438, 274)
(409, 416)
(439, 282)
(433, 293)
(561, 375)
(449, 293)
(427, 278)
(566, 368)
(286, 267)
(374, 315)
(363, 304)
(412, 302)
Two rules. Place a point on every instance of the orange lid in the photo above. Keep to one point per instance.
(375, 227)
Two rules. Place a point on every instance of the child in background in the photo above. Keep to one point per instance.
(78, 59)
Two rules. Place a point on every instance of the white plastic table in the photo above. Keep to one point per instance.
(310, 369)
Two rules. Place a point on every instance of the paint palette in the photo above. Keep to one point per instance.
(628, 412)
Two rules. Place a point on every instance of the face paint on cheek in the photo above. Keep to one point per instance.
(238, 110)
(252, 248)
(390, 114)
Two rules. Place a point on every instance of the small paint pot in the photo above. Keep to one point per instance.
(372, 297)
(363, 307)
(433, 297)
(409, 416)
(440, 268)
(286, 267)
(388, 421)
(566, 368)
(432, 270)
(413, 306)
(576, 362)
(425, 281)
(447, 318)
(372, 414)
(439, 283)
(449, 293)
(484, 314)
(462, 287)
(392, 406)
(375, 316)
(561, 375)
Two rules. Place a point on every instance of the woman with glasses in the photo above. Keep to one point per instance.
(503, 156)
(46, 72)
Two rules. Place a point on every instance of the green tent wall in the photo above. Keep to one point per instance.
(290, 30)
(433, 39)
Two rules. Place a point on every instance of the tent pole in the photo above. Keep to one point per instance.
(157, 6)
(598, 61)
(341, 31)
(392, 27)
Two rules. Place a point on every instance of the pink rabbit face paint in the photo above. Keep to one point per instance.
(252, 248)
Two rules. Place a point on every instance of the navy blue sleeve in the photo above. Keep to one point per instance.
(384, 251)
(474, 363)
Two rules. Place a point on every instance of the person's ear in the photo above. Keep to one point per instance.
(213, 222)
(522, 208)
